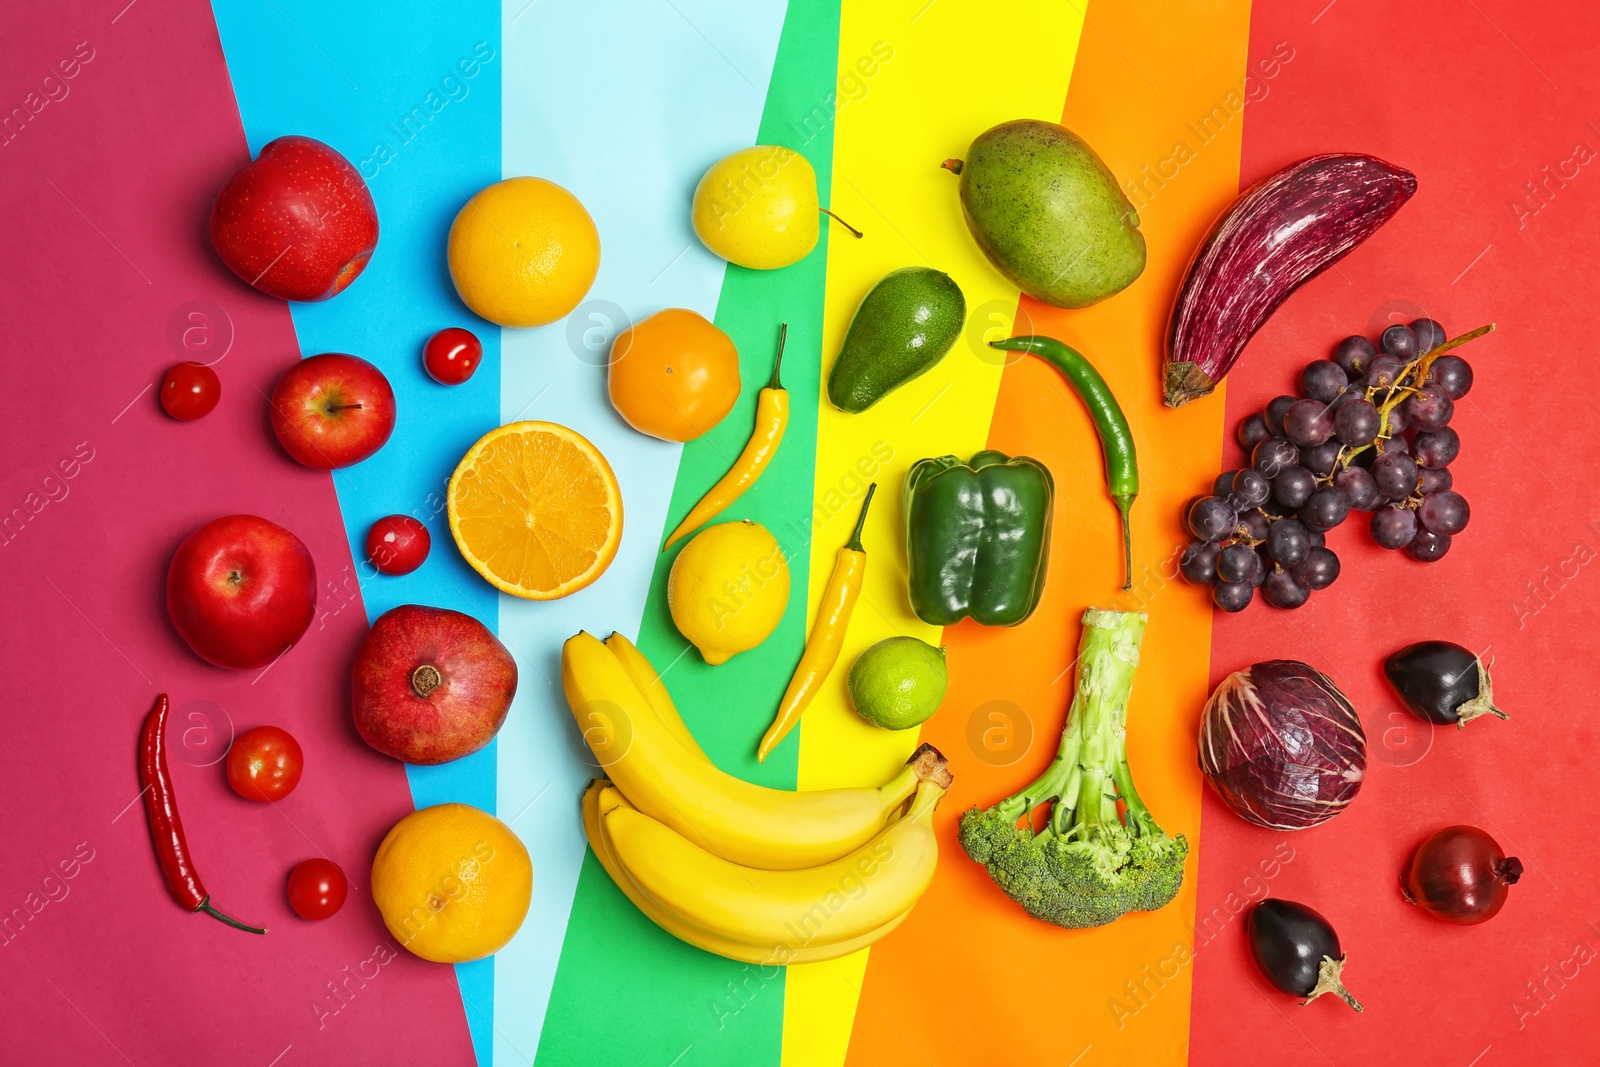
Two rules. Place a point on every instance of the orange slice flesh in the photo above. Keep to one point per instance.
(535, 509)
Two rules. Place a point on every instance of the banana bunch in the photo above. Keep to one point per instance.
(768, 876)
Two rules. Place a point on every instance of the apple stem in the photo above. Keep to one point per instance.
(841, 222)
(425, 679)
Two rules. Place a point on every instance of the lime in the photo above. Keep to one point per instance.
(898, 683)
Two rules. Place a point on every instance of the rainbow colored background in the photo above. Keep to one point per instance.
(107, 175)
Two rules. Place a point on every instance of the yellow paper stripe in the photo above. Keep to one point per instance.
(917, 82)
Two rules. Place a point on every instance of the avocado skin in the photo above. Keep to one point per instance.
(905, 325)
(1049, 214)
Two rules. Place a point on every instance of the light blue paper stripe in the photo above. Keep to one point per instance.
(410, 93)
(626, 105)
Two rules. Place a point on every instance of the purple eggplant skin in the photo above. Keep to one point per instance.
(1298, 950)
(1441, 682)
(1278, 235)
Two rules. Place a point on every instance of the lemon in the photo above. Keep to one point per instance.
(758, 207)
(452, 883)
(728, 589)
(898, 683)
(523, 252)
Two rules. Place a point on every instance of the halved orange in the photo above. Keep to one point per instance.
(536, 510)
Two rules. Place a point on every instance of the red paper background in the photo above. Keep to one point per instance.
(1476, 99)
(104, 192)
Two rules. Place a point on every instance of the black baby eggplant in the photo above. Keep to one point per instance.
(1441, 682)
(1298, 950)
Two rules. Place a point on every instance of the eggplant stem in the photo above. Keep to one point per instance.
(1328, 981)
(1483, 703)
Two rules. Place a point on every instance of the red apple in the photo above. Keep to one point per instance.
(298, 223)
(332, 410)
(241, 590)
(431, 685)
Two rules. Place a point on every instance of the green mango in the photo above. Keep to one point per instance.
(905, 325)
(1049, 214)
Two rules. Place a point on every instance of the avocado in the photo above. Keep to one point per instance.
(1049, 214)
(905, 324)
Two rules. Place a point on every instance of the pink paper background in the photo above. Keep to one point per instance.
(105, 191)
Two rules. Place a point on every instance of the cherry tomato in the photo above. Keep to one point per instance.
(451, 355)
(190, 391)
(317, 888)
(264, 764)
(397, 544)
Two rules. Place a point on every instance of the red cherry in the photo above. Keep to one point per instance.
(190, 391)
(317, 888)
(452, 355)
(397, 544)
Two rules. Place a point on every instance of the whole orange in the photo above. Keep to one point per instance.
(673, 375)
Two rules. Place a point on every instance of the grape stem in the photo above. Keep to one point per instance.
(1395, 394)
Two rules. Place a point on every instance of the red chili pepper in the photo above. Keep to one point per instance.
(166, 829)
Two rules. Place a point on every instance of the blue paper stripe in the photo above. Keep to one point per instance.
(410, 93)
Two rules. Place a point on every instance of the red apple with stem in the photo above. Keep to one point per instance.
(332, 410)
(431, 685)
(298, 223)
(241, 591)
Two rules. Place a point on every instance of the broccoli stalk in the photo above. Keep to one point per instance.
(1091, 863)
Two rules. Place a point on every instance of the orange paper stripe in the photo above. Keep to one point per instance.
(970, 978)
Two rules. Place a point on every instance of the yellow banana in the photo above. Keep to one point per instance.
(653, 689)
(743, 823)
(838, 901)
(768, 955)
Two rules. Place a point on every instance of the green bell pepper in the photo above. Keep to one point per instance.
(977, 537)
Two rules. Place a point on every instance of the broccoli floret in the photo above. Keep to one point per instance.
(1089, 864)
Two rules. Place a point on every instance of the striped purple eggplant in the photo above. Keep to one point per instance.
(1282, 746)
(1279, 234)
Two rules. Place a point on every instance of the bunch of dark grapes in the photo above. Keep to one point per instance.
(1370, 433)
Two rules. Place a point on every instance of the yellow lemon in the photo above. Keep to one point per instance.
(523, 252)
(728, 589)
(452, 883)
(758, 207)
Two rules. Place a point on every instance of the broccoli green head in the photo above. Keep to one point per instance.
(1094, 861)
(1075, 882)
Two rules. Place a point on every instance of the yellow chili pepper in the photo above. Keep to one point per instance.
(827, 634)
(772, 418)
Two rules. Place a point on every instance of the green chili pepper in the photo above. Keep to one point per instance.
(1116, 440)
(977, 537)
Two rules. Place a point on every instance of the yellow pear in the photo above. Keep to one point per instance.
(758, 207)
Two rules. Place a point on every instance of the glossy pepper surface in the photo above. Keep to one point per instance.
(827, 634)
(977, 537)
(772, 418)
(166, 829)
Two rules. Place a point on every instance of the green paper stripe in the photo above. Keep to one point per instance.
(625, 992)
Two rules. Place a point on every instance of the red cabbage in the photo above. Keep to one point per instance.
(1282, 745)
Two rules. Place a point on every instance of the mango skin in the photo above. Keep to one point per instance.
(1049, 215)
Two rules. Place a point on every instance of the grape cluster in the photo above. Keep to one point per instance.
(1370, 432)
